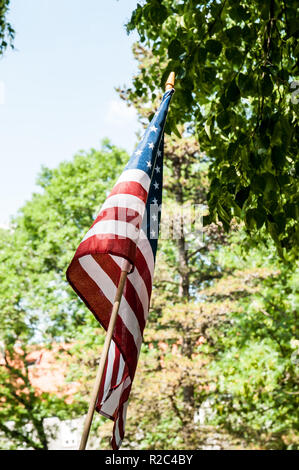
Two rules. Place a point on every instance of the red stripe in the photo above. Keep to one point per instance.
(124, 214)
(99, 405)
(108, 243)
(113, 270)
(142, 266)
(123, 338)
(124, 397)
(101, 389)
(115, 367)
(131, 295)
(130, 187)
(126, 344)
(89, 292)
(101, 307)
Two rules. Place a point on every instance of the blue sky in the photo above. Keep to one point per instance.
(57, 88)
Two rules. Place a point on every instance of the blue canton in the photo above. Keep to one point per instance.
(148, 157)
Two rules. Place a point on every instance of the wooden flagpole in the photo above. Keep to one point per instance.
(95, 391)
(170, 81)
(124, 272)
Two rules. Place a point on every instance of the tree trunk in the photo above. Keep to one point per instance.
(184, 286)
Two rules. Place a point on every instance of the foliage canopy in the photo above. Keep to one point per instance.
(236, 64)
(6, 31)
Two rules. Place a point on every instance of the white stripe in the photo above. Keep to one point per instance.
(138, 284)
(94, 271)
(137, 280)
(113, 227)
(125, 405)
(127, 201)
(112, 403)
(117, 436)
(146, 249)
(120, 369)
(107, 286)
(110, 369)
(109, 372)
(139, 176)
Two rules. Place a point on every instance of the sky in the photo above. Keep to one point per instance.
(57, 88)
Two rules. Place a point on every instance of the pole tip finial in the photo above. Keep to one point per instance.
(170, 81)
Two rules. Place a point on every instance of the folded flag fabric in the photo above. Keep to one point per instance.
(126, 227)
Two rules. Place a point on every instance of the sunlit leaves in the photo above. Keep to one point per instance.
(6, 31)
(239, 57)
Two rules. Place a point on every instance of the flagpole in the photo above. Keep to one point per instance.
(170, 81)
(124, 272)
(100, 372)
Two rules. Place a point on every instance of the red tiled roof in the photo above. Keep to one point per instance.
(46, 372)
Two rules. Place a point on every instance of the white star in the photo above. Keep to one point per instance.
(154, 201)
(149, 164)
(151, 145)
(138, 153)
(156, 185)
(159, 153)
(157, 169)
(154, 217)
(154, 129)
(153, 233)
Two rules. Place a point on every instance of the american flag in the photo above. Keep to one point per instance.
(127, 228)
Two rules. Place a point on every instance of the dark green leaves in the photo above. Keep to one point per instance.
(255, 218)
(7, 33)
(242, 196)
(266, 85)
(214, 47)
(175, 49)
(239, 13)
(233, 92)
(234, 63)
(158, 13)
(234, 55)
(278, 156)
(234, 34)
(247, 85)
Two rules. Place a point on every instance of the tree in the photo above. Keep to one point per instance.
(207, 307)
(256, 361)
(183, 343)
(7, 33)
(185, 197)
(23, 408)
(236, 65)
(37, 306)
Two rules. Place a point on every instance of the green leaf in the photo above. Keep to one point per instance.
(258, 184)
(209, 74)
(223, 119)
(234, 34)
(233, 92)
(232, 149)
(158, 14)
(208, 129)
(234, 55)
(242, 196)
(247, 85)
(213, 46)
(266, 85)
(175, 49)
(200, 55)
(278, 156)
(239, 13)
